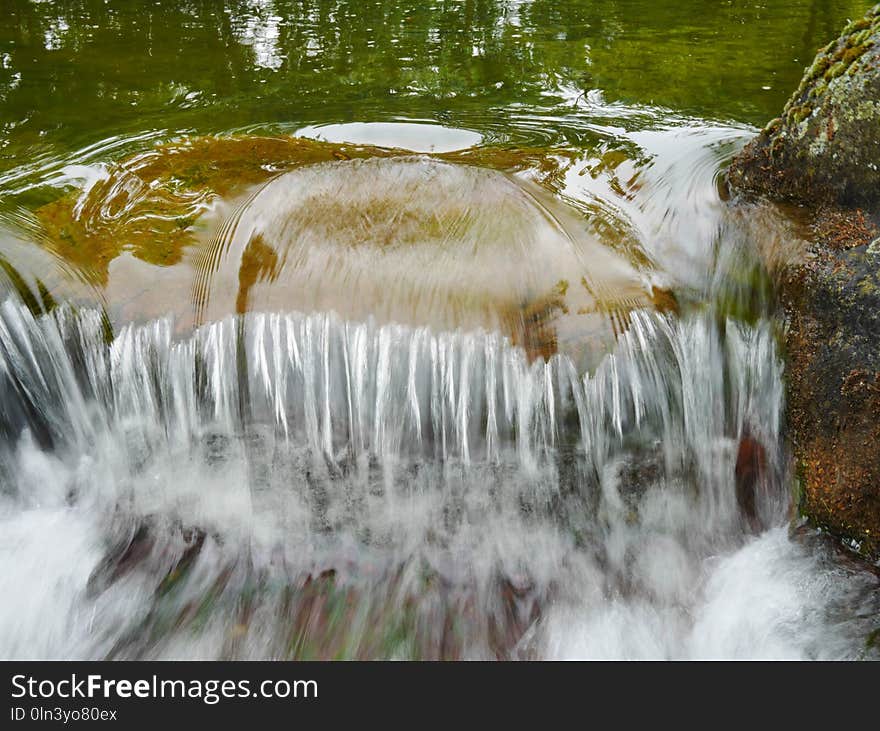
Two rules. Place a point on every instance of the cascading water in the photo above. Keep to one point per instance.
(290, 485)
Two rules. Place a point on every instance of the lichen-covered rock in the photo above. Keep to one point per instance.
(826, 145)
(824, 151)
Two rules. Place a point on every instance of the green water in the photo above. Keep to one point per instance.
(75, 72)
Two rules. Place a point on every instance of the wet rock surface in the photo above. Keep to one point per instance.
(833, 344)
(824, 152)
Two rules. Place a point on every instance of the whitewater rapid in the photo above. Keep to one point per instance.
(299, 485)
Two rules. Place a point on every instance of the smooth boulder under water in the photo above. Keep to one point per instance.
(419, 241)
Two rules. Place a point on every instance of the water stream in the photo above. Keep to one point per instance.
(501, 378)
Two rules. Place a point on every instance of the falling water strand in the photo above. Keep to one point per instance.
(348, 389)
(440, 493)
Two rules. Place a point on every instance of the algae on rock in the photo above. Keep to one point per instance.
(825, 147)
(824, 153)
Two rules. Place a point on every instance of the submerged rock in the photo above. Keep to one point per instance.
(824, 151)
(422, 242)
(750, 471)
(158, 203)
(206, 227)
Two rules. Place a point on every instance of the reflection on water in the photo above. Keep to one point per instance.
(490, 371)
(402, 135)
(75, 72)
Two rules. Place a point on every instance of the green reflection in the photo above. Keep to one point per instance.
(73, 72)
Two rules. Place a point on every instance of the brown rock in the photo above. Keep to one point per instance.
(824, 151)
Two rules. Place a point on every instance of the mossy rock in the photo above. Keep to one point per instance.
(825, 147)
(824, 152)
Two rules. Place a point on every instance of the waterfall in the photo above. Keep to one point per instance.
(345, 392)
(436, 487)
